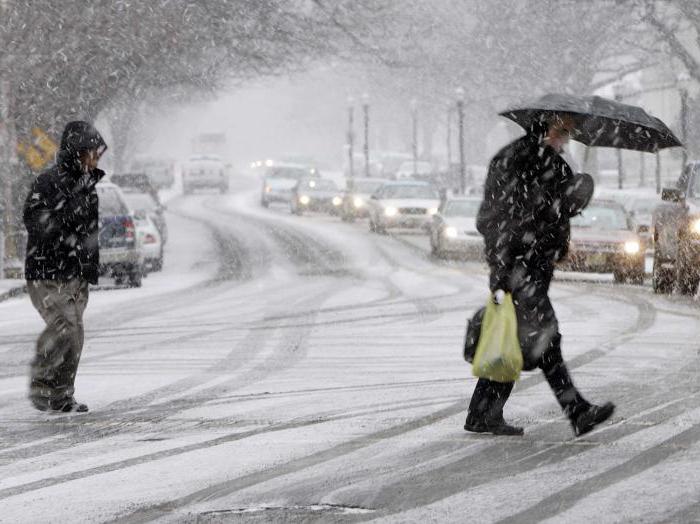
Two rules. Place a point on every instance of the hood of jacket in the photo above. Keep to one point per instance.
(78, 136)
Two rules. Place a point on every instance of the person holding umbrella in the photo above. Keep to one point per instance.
(529, 197)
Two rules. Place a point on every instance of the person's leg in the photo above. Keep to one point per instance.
(56, 346)
(559, 380)
(76, 301)
(78, 291)
(485, 413)
(583, 415)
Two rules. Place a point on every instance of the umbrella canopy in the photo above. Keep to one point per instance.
(599, 122)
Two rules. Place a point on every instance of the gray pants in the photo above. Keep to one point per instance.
(61, 305)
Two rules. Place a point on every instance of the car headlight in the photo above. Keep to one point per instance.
(632, 247)
(303, 199)
(450, 232)
(358, 202)
(695, 226)
(268, 189)
(433, 211)
(390, 211)
(337, 201)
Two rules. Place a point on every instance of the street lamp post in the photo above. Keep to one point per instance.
(351, 141)
(365, 110)
(682, 81)
(414, 135)
(460, 123)
(449, 138)
(620, 174)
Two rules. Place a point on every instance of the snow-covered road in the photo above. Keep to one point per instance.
(299, 368)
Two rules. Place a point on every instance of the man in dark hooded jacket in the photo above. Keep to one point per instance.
(61, 217)
(530, 196)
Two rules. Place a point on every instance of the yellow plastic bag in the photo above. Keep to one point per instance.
(498, 355)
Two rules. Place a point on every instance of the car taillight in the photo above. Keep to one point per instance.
(129, 228)
(149, 239)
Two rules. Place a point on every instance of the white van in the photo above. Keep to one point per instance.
(204, 171)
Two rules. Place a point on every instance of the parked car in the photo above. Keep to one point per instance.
(143, 198)
(121, 256)
(408, 169)
(315, 194)
(279, 181)
(356, 197)
(453, 230)
(150, 242)
(204, 171)
(160, 171)
(603, 240)
(403, 204)
(676, 235)
(150, 222)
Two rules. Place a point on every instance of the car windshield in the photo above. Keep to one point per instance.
(601, 217)
(461, 208)
(287, 172)
(319, 185)
(109, 203)
(367, 186)
(407, 191)
(140, 202)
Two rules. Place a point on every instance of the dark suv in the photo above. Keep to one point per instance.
(676, 235)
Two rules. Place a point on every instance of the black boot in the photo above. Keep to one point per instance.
(590, 418)
(583, 415)
(486, 409)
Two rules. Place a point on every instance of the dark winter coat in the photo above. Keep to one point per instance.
(525, 214)
(61, 213)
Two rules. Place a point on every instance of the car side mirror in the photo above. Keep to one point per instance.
(642, 229)
(672, 194)
(374, 197)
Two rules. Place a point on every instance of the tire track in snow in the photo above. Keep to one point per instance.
(219, 490)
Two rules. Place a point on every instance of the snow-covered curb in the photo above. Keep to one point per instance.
(11, 287)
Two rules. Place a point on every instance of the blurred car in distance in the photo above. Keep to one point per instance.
(204, 172)
(279, 180)
(142, 197)
(408, 169)
(676, 235)
(315, 194)
(603, 240)
(356, 197)
(149, 220)
(403, 204)
(160, 171)
(453, 230)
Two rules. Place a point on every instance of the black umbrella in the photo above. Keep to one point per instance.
(599, 122)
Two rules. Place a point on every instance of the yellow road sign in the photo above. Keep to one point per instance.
(39, 150)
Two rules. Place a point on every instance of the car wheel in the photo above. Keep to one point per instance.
(637, 278)
(136, 277)
(372, 226)
(619, 276)
(157, 264)
(662, 279)
(686, 274)
(223, 190)
(264, 203)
